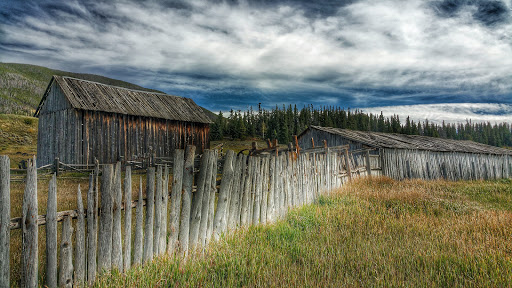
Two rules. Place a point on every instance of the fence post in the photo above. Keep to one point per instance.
(165, 202)
(138, 242)
(105, 220)
(117, 242)
(66, 254)
(51, 234)
(56, 166)
(205, 206)
(177, 178)
(150, 214)
(92, 241)
(80, 241)
(211, 207)
(246, 192)
(127, 218)
(29, 224)
(234, 204)
(188, 180)
(5, 218)
(158, 212)
(197, 202)
(219, 222)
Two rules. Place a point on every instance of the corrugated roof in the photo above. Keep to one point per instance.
(88, 95)
(401, 141)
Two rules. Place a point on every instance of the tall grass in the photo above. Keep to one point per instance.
(371, 233)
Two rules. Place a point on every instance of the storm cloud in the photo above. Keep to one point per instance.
(231, 54)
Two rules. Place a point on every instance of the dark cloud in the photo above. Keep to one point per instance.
(487, 12)
(236, 53)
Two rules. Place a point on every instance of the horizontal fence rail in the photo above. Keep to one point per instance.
(253, 190)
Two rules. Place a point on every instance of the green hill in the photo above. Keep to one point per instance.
(23, 85)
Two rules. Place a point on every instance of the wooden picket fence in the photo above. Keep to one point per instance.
(253, 190)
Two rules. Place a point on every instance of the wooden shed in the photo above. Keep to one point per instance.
(413, 156)
(81, 120)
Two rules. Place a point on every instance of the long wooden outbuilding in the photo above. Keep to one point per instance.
(413, 156)
(81, 120)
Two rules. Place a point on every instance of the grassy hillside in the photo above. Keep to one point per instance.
(23, 85)
(370, 234)
(18, 137)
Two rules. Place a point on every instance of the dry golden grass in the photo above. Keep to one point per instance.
(371, 233)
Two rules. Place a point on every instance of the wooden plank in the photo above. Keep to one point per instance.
(244, 211)
(205, 206)
(80, 241)
(158, 212)
(29, 254)
(177, 181)
(197, 201)
(188, 180)
(66, 255)
(271, 191)
(138, 242)
(150, 214)
(211, 207)
(219, 222)
(127, 218)
(105, 220)
(51, 234)
(92, 240)
(5, 218)
(117, 242)
(234, 204)
(347, 165)
(165, 203)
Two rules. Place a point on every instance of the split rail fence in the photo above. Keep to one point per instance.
(253, 190)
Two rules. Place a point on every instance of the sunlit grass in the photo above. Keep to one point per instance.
(371, 233)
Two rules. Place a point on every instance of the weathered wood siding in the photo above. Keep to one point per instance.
(79, 136)
(406, 164)
(332, 140)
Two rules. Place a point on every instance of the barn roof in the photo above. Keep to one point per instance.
(401, 141)
(93, 96)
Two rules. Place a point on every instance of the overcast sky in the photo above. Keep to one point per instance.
(233, 54)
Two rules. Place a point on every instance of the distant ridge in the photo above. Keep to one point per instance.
(23, 85)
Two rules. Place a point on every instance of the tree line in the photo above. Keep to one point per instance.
(282, 123)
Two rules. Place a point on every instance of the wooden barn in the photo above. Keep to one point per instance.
(413, 156)
(81, 120)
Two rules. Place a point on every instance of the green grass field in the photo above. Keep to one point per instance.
(380, 233)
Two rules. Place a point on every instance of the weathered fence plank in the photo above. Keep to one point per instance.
(80, 241)
(219, 223)
(92, 240)
(165, 203)
(158, 212)
(105, 220)
(138, 243)
(188, 180)
(30, 232)
(127, 218)
(150, 214)
(244, 211)
(66, 254)
(117, 242)
(51, 234)
(5, 218)
(177, 180)
(235, 193)
(197, 202)
(211, 207)
(205, 205)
